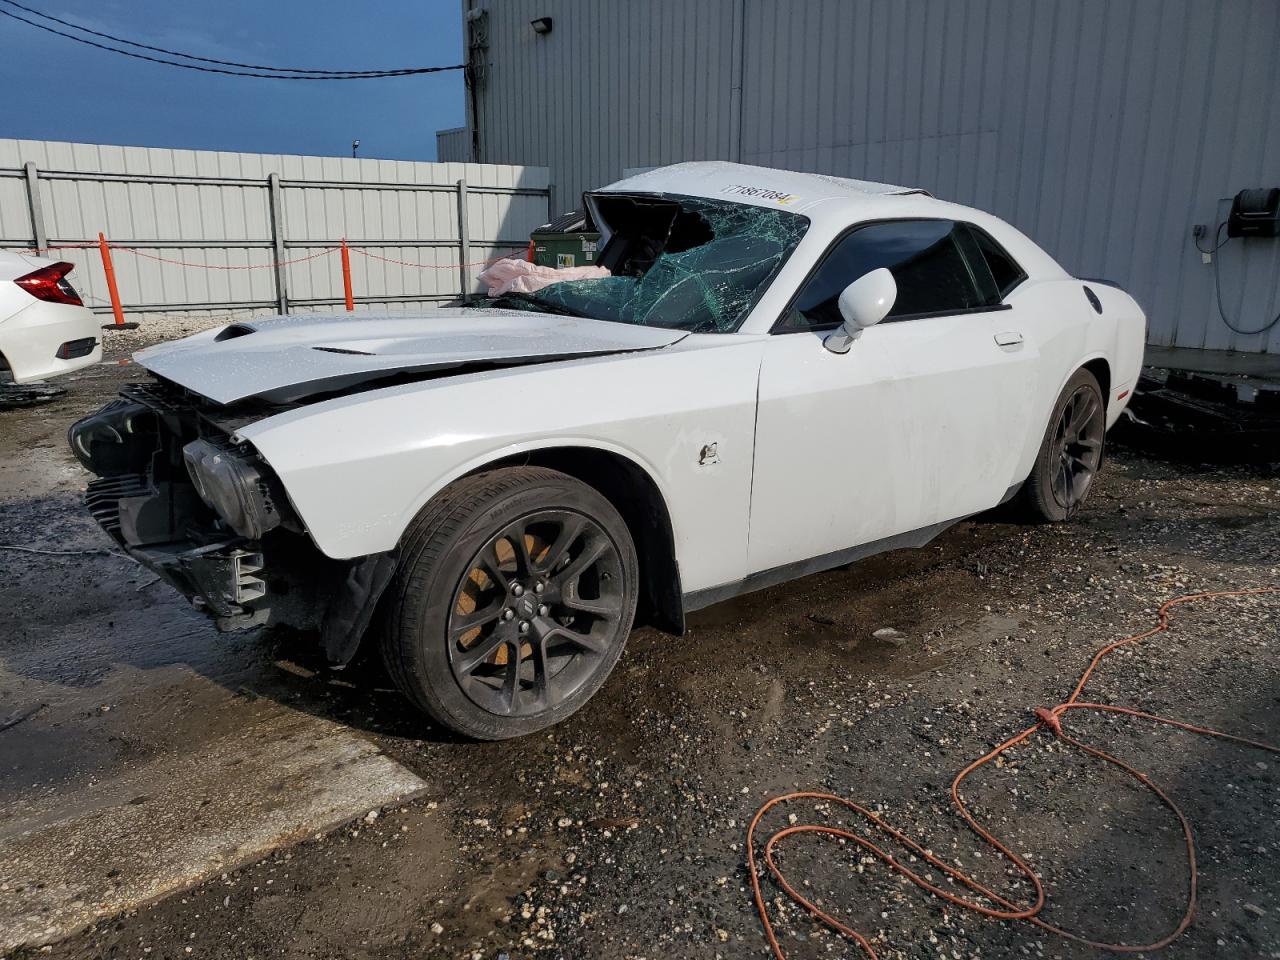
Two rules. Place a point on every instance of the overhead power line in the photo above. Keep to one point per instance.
(224, 63)
(224, 66)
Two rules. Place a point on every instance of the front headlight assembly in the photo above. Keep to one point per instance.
(240, 489)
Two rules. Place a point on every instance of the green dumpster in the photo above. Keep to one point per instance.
(567, 241)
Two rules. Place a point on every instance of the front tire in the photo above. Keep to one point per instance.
(515, 594)
(1070, 454)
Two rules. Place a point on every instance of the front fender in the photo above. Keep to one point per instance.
(357, 469)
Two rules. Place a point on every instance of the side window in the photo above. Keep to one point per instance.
(1004, 269)
(924, 256)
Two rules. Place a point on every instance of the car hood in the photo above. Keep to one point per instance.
(284, 359)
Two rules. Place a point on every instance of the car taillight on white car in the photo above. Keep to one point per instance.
(51, 284)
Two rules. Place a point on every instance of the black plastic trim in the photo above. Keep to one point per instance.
(1101, 282)
(828, 327)
(1092, 298)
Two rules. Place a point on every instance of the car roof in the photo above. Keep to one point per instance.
(760, 186)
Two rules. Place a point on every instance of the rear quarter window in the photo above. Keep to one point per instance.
(1004, 269)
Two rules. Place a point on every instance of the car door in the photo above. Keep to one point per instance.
(921, 422)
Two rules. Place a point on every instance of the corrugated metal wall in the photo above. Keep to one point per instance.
(453, 145)
(1103, 128)
(212, 213)
(614, 85)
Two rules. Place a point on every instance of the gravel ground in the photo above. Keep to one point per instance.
(620, 833)
(157, 327)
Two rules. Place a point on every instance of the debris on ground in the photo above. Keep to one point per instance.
(13, 396)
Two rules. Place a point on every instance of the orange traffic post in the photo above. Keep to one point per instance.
(112, 290)
(346, 275)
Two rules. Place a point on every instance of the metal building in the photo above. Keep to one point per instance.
(1105, 129)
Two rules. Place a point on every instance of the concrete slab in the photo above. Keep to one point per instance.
(70, 857)
(141, 751)
(1265, 366)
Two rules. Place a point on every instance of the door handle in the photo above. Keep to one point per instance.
(1009, 338)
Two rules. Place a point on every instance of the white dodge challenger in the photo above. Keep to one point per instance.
(781, 373)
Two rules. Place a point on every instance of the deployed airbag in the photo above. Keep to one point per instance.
(521, 276)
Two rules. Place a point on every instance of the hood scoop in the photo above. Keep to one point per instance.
(233, 331)
(289, 359)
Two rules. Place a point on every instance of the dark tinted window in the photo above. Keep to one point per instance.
(924, 257)
(1004, 269)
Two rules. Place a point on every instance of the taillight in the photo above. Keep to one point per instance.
(50, 284)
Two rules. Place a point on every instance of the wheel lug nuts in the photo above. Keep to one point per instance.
(508, 613)
(524, 626)
(539, 587)
(543, 610)
(516, 589)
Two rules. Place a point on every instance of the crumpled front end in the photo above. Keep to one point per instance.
(180, 493)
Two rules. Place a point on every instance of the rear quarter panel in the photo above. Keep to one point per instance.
(1069, 334)
(1130, 331)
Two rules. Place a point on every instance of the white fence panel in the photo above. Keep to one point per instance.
(198, 231)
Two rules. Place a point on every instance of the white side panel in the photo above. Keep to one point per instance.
(359, 468)
(921, 422)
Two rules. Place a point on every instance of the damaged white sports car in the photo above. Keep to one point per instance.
(782, 373)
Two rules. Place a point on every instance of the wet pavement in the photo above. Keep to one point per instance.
(166, 752)
(135, 758)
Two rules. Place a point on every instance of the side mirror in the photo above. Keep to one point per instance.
(863, 303)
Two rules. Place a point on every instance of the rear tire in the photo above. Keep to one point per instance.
(1070, 454)
(514, 597)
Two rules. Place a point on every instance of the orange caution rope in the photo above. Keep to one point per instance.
(1049, 719)
(435, 266)
(324, 252)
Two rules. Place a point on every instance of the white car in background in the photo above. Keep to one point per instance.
(783, 373)
(45, 328)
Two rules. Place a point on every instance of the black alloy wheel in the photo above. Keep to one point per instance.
(1077, 442)
(1070, 454)
(512, 602)
(540, 607)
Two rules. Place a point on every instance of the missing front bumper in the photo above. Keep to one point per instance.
(222, 579)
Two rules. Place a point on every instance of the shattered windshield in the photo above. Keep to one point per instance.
(679, 262)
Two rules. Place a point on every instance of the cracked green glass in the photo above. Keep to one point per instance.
(708, 288)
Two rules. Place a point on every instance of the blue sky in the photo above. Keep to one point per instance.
(59, 90)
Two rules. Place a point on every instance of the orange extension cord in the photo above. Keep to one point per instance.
(1049, 719)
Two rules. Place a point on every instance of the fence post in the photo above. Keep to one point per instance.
(110, 271)
(277, 240)
(36, 205)
(346, 276)
(464, 243)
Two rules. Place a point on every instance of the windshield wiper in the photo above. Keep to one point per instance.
(527, 301)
